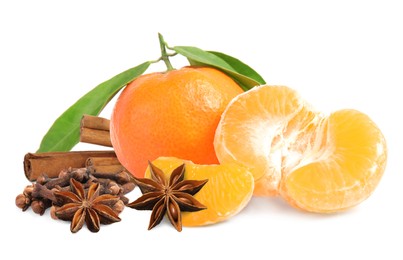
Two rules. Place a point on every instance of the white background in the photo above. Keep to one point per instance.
(337, 54)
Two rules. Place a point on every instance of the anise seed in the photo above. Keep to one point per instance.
(173, 211)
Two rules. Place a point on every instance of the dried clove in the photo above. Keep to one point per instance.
(79, 174)
(43, 179)
(42, 192)
(121, 177)
(22, 201)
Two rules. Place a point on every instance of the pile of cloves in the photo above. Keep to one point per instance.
(78, 184)
(40, 194)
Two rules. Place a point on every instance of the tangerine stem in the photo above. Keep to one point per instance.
(164, 54)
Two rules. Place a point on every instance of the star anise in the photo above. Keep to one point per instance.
(79, 206)
(168, 196)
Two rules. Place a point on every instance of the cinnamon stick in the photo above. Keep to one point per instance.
(36, 164)
(104, 164)
(95, 130)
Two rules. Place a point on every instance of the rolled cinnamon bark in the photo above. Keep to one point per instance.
(95, 130)
(51, 163)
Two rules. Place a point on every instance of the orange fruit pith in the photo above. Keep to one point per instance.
(227, 192)
(170, 114)
(315, 162)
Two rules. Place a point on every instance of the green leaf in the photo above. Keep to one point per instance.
(240, 67)
(64, 134)
(244, 75)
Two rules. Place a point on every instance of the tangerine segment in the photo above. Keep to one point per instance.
(265, 130)
(227, 192)
(348, 174)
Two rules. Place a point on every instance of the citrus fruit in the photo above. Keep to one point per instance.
(319, 163)
(227, 192)
(170, 114)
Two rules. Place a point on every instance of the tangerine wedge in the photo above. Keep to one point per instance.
(316, 162)
(348, 172)
(227, 192)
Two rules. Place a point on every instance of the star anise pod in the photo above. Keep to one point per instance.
(168, 196)
(79, 206)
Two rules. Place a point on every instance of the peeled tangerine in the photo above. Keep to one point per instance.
(317, 163)
(227, 192)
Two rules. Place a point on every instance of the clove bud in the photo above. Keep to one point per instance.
(38, 206)
(22, 201)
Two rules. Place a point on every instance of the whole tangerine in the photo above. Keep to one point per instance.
(174, 113)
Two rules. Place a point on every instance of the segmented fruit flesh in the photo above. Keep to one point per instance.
(316, 162)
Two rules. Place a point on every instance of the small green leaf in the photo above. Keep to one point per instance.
(202, 56)
(65, 131)
(240, 67)
(245, 76)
